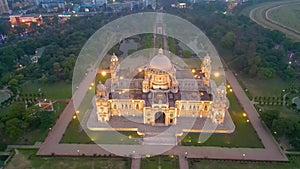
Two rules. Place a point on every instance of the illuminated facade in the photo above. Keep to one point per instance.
(160, 94)
(18, 20)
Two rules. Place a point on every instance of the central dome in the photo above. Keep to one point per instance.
(161, 62)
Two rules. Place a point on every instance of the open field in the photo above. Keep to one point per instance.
(294, 163)
(259, 16)
(50, 91)
(264, 87)
(243, 136)
(25, 159)
(288, 15)
(163, 161)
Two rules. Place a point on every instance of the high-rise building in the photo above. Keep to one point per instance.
(3, 7)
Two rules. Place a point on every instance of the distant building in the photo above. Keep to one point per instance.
(3, 7)
(50, 5)
(17, 20)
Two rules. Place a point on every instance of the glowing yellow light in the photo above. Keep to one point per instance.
(228, 86)
(247, 121)
(140, 70)
(92, 84)
(90, 88)
(103, 73)
(244, 114)
(230, 90)
(77, 112)
(193, 70)
(216, 74)
(121, 77)
(74, 117)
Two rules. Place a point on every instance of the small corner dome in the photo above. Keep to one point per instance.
(114, 58)
(161, 62)
(101, 86)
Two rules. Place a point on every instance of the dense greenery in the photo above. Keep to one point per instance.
(282, 126)
(21, 125)
(63, 43)
(17, 120)
(245, 46)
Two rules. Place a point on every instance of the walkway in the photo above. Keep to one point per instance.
(136, 163)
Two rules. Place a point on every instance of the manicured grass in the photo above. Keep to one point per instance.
(294, 163)
(287, 15)
(27, 159)
(75, 134)
(284, 111)
(163, 161)
(243, 136)
(50, 91)
(264, 87)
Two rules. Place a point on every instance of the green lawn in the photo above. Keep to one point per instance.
(163, 161)
(287, 15)
(243, 136)
(26, 159)
(75, 134)
(220, 164)
(264, 87)
(284, 112)
(50, 91)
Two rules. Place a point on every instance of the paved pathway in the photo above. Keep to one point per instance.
(183, 162)
(35, 146)
(136, 163)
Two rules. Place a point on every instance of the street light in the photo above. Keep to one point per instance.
(216, 74)
(103, 73)
(244, 114)
(244, 155)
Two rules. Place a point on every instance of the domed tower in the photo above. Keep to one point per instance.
(220, 105)
(102, 103)
(206, 69)
(114, 64)
(160, 74)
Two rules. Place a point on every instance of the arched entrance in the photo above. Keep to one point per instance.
(160, 117)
